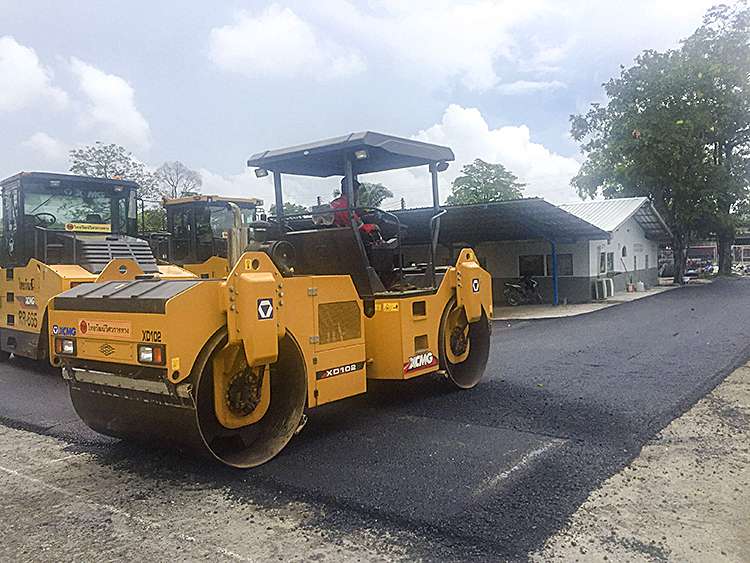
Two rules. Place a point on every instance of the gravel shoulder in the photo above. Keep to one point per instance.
(686, 497)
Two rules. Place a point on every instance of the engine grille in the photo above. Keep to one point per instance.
(95, 253)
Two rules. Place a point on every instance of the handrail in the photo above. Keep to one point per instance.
(434, 235)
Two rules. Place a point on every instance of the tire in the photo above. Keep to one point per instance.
(467, 373)
(511, 298)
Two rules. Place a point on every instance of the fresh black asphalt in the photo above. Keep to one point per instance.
(489, 472)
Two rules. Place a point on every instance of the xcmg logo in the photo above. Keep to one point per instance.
(420, 361)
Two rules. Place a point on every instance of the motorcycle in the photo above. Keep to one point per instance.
(524, 292)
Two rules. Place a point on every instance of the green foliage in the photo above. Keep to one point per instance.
(372, 194)
(290, 208)
(369, 194)
(177, 180)
(153, 219)
(676, 128)
(482, 182)
(113, 161)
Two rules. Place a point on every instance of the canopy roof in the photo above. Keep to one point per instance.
(520, 219)
(326, 158)
(609, 214)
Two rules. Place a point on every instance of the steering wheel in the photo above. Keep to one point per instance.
(51, 221)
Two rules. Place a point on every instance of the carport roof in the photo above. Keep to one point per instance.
(520, 219)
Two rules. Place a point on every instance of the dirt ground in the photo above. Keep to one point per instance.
(685, 498)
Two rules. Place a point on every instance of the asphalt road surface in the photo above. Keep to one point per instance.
(442, 474)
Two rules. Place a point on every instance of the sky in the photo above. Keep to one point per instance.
(209, 84)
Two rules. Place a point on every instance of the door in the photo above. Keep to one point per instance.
(9, 253)
(183, 234)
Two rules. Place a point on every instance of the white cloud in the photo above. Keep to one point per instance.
(435, 40)
(111, 111)
(51, 151)
(465, 130)
(529, 86)
(277, 42)
(25, 80)
(545, 173)
(297, 189)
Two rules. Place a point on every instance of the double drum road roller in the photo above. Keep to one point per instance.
(313, 307)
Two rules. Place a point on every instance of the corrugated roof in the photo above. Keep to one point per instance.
(518, 219)
(609, 214)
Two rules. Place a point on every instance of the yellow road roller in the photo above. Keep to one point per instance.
(197, 231)
(60, 231)
(314, 307)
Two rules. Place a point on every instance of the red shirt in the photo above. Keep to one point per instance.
(341, 218)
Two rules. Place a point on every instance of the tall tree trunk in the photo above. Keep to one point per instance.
(725, 253)
(679, 250)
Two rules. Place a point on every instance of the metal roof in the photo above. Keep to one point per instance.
(326, 158)
(67, 178)
(520, 219)
(609, 214)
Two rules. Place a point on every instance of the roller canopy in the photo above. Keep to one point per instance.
(326, 158)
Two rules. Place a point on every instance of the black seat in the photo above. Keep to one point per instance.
(334, 251)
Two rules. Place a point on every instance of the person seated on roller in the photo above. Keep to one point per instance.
(342, 218)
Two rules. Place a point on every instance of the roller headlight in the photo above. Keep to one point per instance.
(65, 346)
(151, 354)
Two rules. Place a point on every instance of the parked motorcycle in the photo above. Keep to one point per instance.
(524, 292)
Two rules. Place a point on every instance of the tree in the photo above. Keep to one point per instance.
(675, 129)
(482, 182)
(177, 180)
(290, 208)
(113, 161)
(372, 194)
(720, 52)
(154, 219)
(369, 194)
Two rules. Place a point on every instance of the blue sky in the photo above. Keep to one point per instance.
(209, 84)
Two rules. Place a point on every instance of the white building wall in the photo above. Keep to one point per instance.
(501, 258)
(632, 237)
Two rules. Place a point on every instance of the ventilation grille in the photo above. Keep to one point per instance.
(338, 321)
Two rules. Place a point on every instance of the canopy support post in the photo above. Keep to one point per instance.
(555, 288)
(279, 197)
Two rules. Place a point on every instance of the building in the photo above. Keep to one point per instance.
(589, 240)
(635, 228)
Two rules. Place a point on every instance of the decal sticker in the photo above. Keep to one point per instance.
(107, 349)
(28, 318)
(58, 330)
(151, 335)
(90, 227)
(265, 308)
(389, 307)
(26, 285)
(420, 361)
(109, 329)
(175, 364)
(26, 301)
(339, 370)
(475, 285)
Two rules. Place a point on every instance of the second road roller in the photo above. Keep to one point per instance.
(314, 306)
